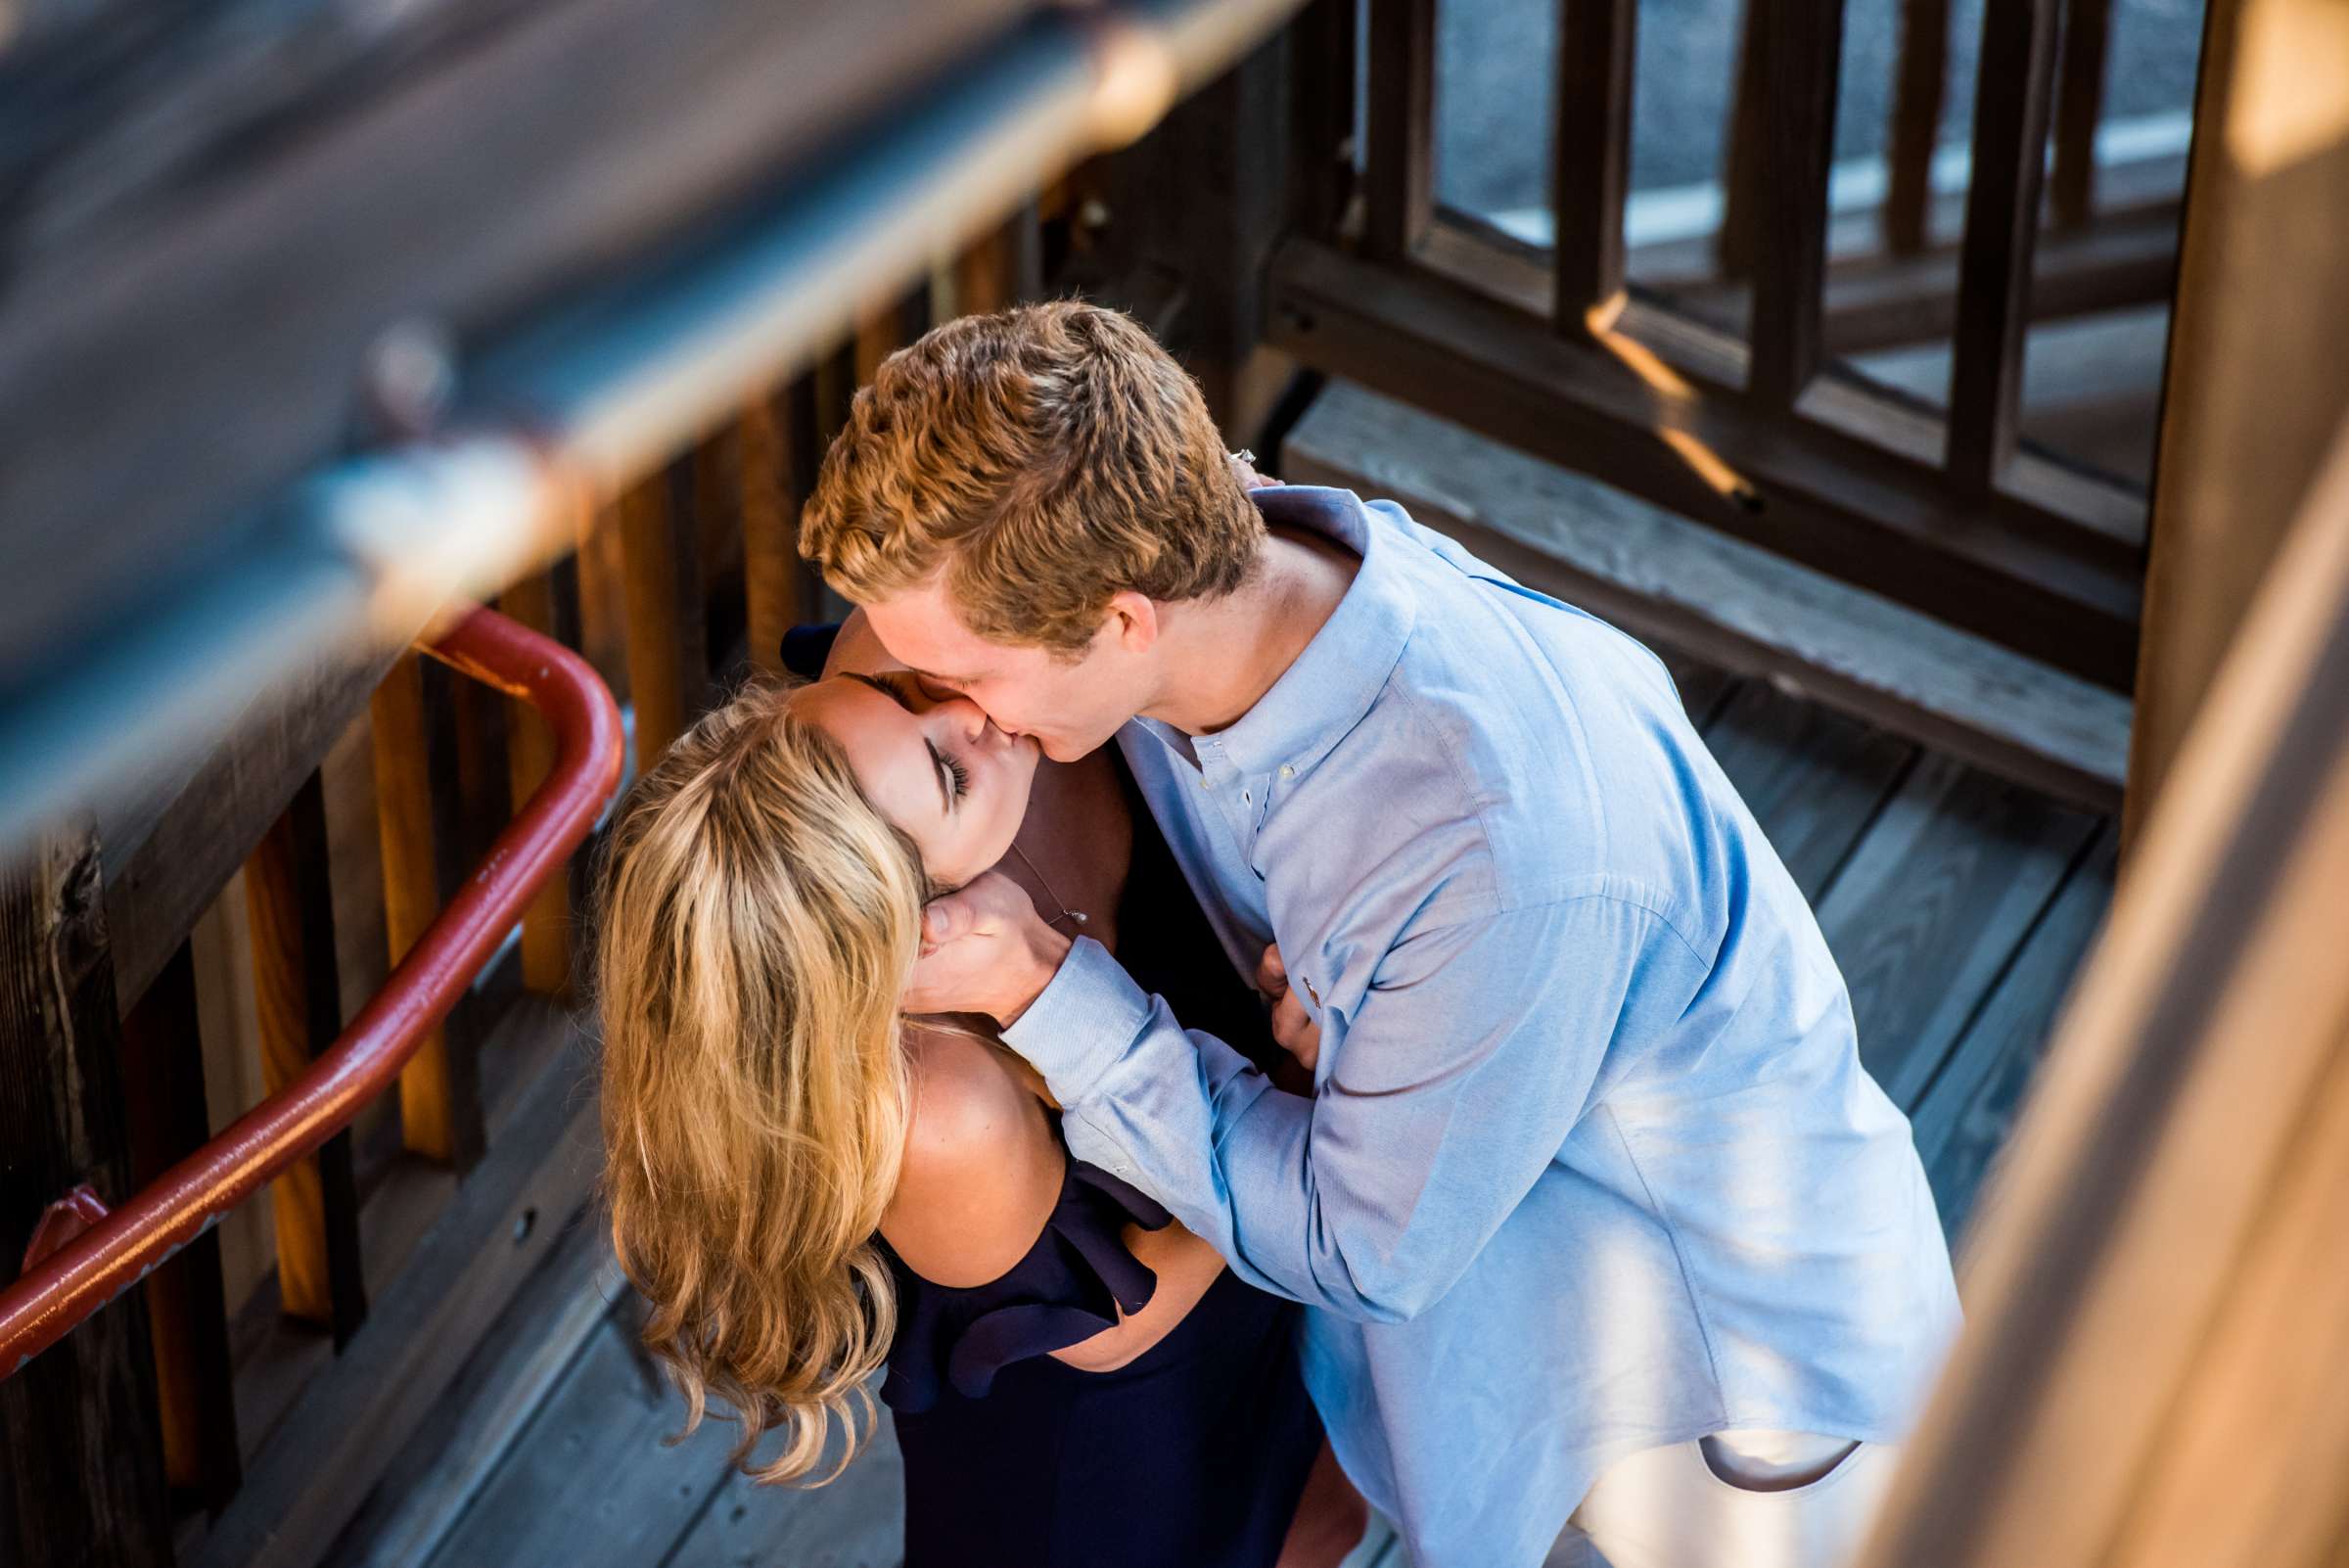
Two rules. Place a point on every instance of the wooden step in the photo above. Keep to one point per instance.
(1660, 577)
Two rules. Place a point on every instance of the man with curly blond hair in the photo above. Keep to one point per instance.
(1595, 1207)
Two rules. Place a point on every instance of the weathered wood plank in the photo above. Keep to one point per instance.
(290, 907)
(475, 1423)
(858, 1521)
(85, 1465)
(1933, 903)
(352, 1416)
(1855, 502)
(1673, 582)
(589, 1481)
(1965, 1120)
(2016, 81)
(1814, 778)
(1703, 686)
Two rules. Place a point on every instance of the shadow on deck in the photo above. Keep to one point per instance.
(1957, 905)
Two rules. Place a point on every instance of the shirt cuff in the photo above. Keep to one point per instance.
(1082, 1022)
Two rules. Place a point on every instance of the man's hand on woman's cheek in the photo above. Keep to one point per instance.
(984, 950)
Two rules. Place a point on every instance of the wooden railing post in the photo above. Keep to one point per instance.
(297, 994)
(1920, 79)
(79, 1425)
(547, 602)
(2079, 107)
(1591, 153)
(2002, 232)
(417, 796)
(1799, 46)
(667, 652)
(1399, 173)
(163, 1070)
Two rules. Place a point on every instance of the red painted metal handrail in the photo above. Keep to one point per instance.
(91, 1268)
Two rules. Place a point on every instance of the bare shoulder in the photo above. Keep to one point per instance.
(981, 1168)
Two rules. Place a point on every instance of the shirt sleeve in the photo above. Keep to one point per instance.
(1471, 1056)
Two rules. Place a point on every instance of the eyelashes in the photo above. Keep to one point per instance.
(962, 776)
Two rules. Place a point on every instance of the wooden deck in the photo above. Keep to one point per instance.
(1957, 904)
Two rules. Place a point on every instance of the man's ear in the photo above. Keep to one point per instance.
(1132, 621)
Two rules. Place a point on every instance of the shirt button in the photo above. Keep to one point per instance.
(1286, 771)
(1247, 799)
(1205, 783)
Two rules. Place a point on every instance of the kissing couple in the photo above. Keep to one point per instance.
(1236, 1013)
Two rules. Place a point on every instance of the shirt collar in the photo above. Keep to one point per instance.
(1329, 686)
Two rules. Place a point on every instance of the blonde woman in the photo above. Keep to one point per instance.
(811, 1186)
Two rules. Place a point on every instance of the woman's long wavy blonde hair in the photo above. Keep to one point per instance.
(757, 922)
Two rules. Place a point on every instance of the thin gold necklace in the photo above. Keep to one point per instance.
(1066, 914)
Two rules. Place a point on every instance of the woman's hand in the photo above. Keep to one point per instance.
(1293, 1030)
(1243, 466)
(984, 950)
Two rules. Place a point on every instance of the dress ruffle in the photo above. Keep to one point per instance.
(1071, 1286)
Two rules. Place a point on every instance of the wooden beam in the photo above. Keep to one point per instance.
(2146, 1375)
(80, 1424)
(163, 1070)
(1837, 499)
(1592, 155)
(2001, 231)
(160, 171)
(1920, 79)
(1801, 49)
(2258, 383)
(297, 993)
(2079, 108)
(1398, 167)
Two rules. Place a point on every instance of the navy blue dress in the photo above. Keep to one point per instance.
(1191, 1456)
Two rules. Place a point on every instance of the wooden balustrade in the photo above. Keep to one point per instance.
(1721, 398)
(147, 1395)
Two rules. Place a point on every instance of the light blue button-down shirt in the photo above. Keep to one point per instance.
(1592, 1164)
